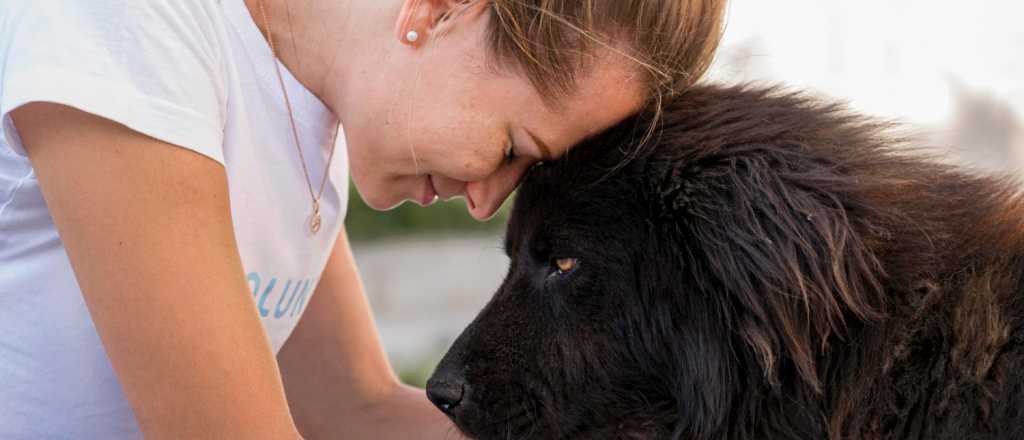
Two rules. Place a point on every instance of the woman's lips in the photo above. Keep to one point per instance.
(469, 201)
(429, 193)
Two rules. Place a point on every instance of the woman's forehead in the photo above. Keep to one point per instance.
(609, 93)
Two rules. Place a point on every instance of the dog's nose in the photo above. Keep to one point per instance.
(446, 392)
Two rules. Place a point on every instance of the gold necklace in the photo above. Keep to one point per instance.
(314, 219)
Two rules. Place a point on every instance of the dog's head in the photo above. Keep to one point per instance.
(655, 293)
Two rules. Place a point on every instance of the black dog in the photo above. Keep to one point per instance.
(768, 267)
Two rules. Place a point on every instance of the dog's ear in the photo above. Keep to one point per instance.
(776, 231)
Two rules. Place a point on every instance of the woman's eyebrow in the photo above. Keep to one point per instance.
(545, 150)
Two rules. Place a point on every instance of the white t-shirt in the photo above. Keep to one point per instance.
(194, 73)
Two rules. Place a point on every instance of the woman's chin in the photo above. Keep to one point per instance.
(423, 202)
(422, 194)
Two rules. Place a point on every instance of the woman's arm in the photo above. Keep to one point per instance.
(337, 377)
(147, 227)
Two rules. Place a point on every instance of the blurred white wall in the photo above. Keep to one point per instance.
(952, 68)
(425, 290)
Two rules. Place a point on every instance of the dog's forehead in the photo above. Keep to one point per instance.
(539, 198)
(574, 195)
(545, 197)
(556, 187)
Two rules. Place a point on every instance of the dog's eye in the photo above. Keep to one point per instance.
(565, 265)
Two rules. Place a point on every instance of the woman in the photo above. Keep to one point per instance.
(172, 259)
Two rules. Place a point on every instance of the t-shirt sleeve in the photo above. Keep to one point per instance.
(154, 65)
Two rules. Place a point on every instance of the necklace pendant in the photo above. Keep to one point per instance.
(314, 220)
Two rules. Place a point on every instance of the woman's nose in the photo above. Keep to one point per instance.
(486, 196)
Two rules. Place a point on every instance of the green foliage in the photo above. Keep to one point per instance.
(364, 223)
(417, 376)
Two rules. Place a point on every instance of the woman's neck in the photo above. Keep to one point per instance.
(318, 40)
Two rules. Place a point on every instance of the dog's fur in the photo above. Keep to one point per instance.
(769, 267)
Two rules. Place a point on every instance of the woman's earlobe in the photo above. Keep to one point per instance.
(412, 36)
(419, 20)
(412, 22)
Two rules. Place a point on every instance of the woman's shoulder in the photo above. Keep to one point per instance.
(154, 66)
(112, 18)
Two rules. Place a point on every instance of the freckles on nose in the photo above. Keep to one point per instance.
(478, 167)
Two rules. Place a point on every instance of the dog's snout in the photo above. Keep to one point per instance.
(446, 391)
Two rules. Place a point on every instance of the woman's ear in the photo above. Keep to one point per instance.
(420, 20)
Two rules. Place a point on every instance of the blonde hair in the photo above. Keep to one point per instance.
(672, 41)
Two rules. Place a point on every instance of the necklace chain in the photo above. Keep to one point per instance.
(314, 221)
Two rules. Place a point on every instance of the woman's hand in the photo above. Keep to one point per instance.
(147, 226)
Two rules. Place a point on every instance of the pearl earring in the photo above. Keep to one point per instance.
(412, 36)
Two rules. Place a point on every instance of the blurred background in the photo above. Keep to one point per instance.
(952, 72)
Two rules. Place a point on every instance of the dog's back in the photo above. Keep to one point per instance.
(916, 267)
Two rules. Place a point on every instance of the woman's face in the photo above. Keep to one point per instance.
(435, 118)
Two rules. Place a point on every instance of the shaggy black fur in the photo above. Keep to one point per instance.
(769, 267)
